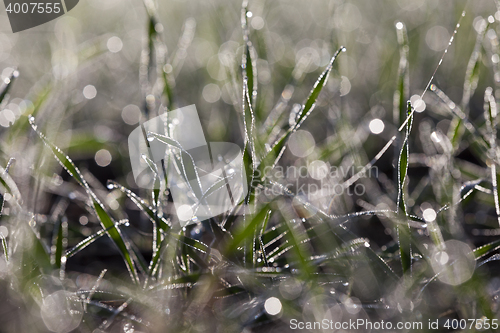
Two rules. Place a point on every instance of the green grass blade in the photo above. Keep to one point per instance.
(247, 231)
(116, 235)
(403, 230)
(490, 110)
(456, 130)
(401, 94)
(197, 245)
(90, 239)
(58, 242)
(277, 149)
(106, 221)
(308, 106)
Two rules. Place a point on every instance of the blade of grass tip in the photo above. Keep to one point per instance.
(249, 95)
(90, 239)
(490, 109)
(271, 157)
(455, 131)
(247, 231)
(11, 162)
(248, 62)
(495, 52)
(156, 60)
(7, 84)
(94, 289)
(472, 71)
(401, 94)
(107, 323)
(403, 230)
(151, 212)
(486, 249)
(148, 63)
(116, 235)
(435, 71)
(106, 221)
(310, 103)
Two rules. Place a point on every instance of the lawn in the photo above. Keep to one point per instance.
(354, 189)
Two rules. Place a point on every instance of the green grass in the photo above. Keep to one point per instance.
(420, 244)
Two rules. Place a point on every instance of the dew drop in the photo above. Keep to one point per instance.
(273, 306)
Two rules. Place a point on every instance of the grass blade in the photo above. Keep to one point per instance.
(142, 205)
(401, 94)
(277, 148)
(490, 109)
(310, 103)
(403, 230)
(247, 231)
(5, 246)
(7, 84)
(471, 78)
(486, 249)
(106, 221)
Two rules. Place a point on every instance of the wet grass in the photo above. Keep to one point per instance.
(419, 244)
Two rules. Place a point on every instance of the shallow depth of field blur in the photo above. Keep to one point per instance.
(425, 248)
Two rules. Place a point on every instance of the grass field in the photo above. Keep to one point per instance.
(369, 139)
